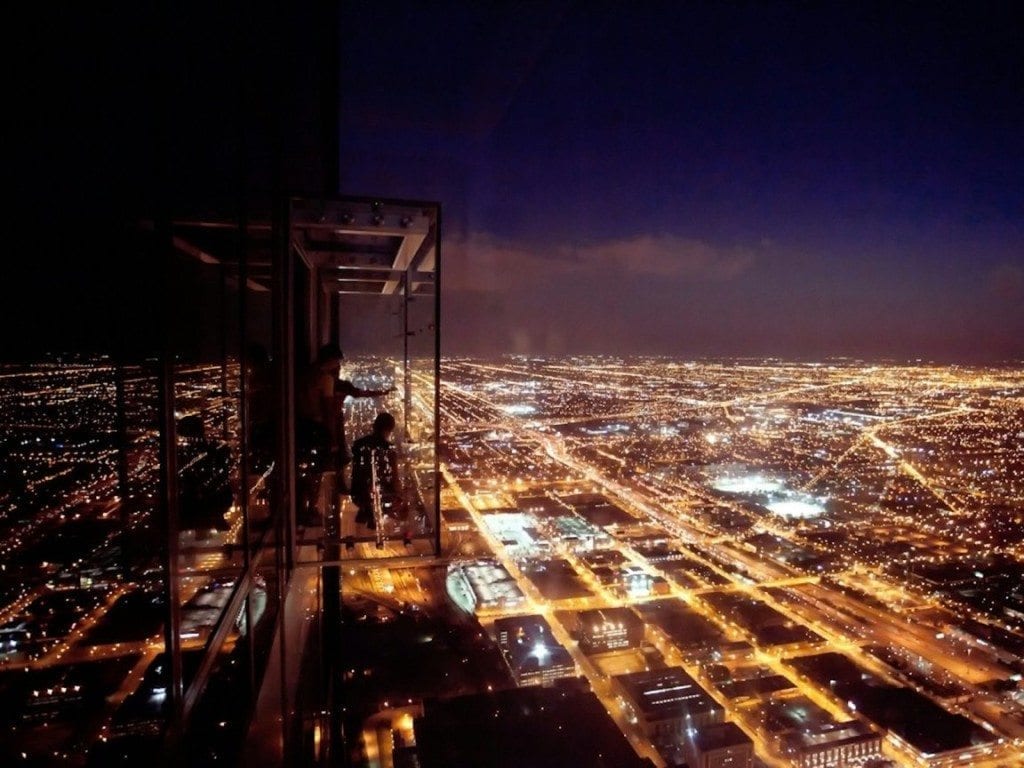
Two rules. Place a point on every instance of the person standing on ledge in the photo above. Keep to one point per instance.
(374, 459)
(320, 416)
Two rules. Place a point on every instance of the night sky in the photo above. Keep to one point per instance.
(793, 179)
(789, 179)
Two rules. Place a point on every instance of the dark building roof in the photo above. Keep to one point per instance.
(595, 617)
(537, 727)
(686, 627)
(830, 735)
(720, 736)
(666, 693)
(530, 645)
(926, 726)
(758, 686)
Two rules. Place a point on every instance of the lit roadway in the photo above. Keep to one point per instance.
(601, 684)
(911, 471)
(871, 434)
(66, 650)
(537, 604)
(878, 626)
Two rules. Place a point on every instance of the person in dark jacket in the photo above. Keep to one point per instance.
(320, 424)
(375, 454)
(319, 405)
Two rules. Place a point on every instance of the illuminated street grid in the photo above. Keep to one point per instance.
(784, 532)
(795, 514)
(81, 575)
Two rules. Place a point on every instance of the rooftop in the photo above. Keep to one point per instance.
(537, 727)
(720, 736)
(666, 693)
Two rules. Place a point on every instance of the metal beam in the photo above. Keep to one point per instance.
(184, 246)
(364, 260)
(232, 225)
(409, 248)
(348, 247)
(195, 252)
(393, 224)
(366, 273)
(300, 249)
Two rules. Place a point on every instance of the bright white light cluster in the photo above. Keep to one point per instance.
(747, 484)
(519, 409)
(795, 508)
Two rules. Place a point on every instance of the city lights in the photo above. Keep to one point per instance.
(735, 571)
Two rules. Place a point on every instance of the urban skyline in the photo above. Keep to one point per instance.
(400, 385)
(747, 530)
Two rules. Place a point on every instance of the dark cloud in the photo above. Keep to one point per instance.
(482, 262)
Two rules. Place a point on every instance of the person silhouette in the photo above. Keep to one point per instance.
(374, 459)
(320, 419)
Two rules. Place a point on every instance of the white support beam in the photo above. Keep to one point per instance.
(410, 245)
(195, 252)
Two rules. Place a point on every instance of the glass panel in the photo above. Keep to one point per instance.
(206, 412)
(226, 411)
(217, 726)
(420, 406)
(260, 495)
(260, 388)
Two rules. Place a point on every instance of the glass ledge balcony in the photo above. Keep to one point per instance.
(253, 520)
